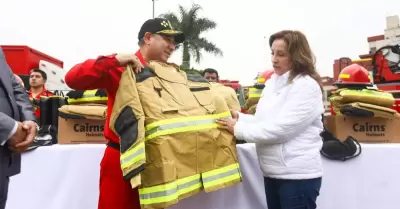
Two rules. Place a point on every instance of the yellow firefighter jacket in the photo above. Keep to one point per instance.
(254, 97)
(170, 144)
(228, 94)
(368, 96)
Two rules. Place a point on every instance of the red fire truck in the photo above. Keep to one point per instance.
(22, 59)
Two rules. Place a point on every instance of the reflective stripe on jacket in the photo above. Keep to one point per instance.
(88, 96)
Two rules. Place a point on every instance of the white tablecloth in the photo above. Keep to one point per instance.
(66, 177)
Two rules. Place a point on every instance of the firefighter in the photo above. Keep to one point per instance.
(157, 41)
(37, 81)
(228, 93)
(255, 91)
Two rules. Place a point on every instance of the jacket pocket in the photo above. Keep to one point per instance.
(165, 94)
(205, 99)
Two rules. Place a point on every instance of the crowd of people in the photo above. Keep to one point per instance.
(285, 125)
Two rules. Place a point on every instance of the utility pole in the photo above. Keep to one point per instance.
(153, 6)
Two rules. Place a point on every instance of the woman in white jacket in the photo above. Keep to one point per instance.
(287, 125)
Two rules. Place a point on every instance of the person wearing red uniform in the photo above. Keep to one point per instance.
(157, 40)
(37, 80)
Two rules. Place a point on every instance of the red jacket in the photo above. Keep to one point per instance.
(101, 73)
(44, 93)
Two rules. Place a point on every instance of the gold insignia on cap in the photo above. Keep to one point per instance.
(166, 24)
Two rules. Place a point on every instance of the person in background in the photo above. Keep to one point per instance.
(228, 93)
(157, 41)
(287, 125)
(37, 81)
(210, 75)
(18, 127)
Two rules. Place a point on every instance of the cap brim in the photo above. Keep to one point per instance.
(178, 35)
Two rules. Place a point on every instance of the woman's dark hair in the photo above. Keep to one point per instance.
(300, 54)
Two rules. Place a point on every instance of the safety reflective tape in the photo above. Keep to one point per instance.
(133, 155)
(170, 191)
(89, 99)
(221, 175)
(255, 93)
(184, 124)
(343, 75)
(88, 96)
(366, 92)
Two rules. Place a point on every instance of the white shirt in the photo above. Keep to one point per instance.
(286, 128)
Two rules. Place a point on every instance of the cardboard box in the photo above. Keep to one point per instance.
(366, 130)
(80, 131)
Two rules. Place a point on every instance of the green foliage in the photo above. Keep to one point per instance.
(189, 22)
(191, 70)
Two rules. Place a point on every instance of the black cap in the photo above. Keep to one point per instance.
(163, 27)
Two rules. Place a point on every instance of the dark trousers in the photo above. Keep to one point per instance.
(292, 194)
(4, 180)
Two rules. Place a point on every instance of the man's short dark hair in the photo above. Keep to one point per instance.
(37, 70)
(211, 71)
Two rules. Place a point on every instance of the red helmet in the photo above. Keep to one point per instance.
(354, 74)
(264, 76)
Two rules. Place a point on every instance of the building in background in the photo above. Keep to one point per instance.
(391, 35)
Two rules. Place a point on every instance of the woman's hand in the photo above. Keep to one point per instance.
(235, 114)
(227, 124)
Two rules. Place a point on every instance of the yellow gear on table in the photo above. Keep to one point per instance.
(94, 112)
(97, 96)
(166, 120)
(228, 94)
(253, 98)
(368, 96)
(359, 109)
(252, 110)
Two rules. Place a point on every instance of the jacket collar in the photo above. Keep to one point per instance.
(280, 81)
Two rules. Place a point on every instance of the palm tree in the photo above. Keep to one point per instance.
(192, 26)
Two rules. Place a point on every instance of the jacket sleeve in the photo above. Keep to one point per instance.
(23, 103)
(91, 74)
(302, 107)
(127, 121)
(8, 126)
(245, 118)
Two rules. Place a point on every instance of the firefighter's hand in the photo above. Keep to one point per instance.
(227, 124)
(125, 59)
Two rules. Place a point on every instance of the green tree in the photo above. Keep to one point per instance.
(193, 26)
(191, 70)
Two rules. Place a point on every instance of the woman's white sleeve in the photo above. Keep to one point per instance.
(300, 109)
(246, 117)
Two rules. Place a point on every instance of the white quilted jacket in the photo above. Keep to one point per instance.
(286, 128)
